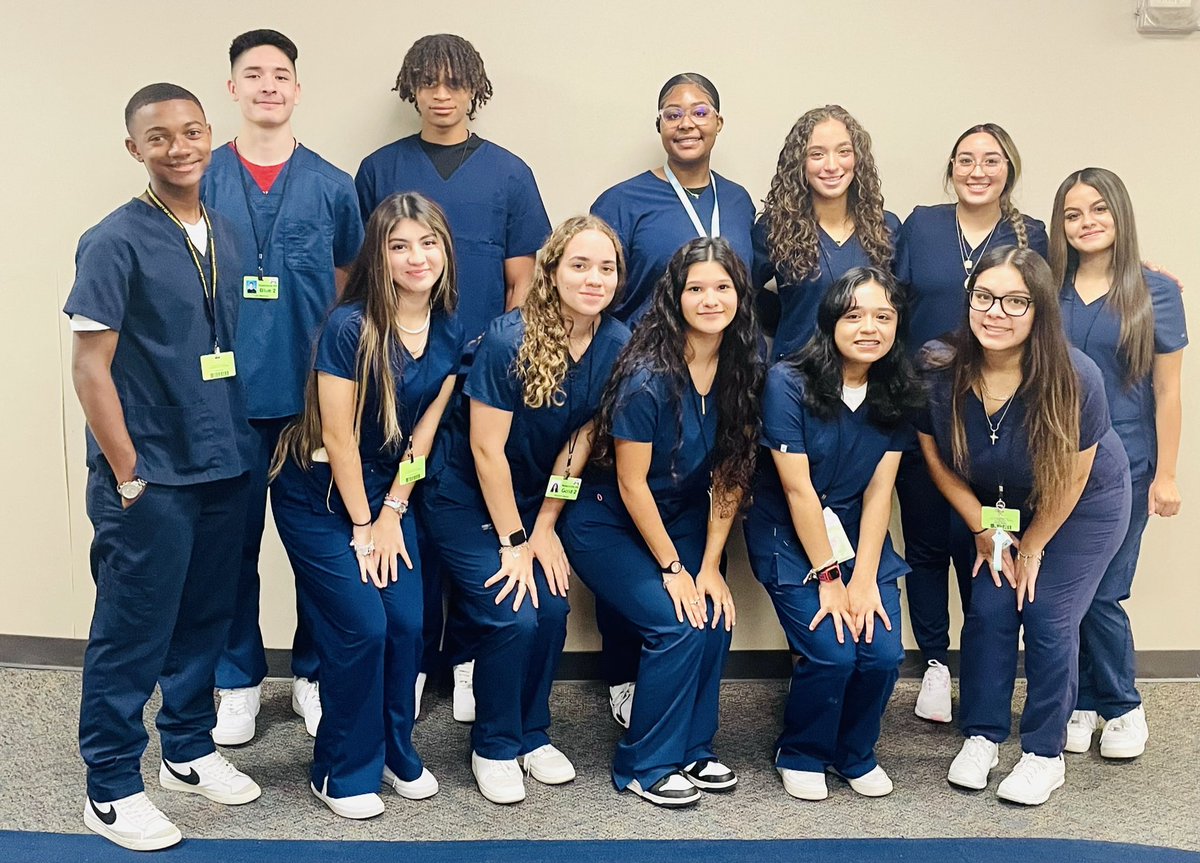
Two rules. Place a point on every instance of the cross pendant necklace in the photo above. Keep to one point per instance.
(995, 429)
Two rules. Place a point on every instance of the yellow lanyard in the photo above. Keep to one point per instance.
(210, 292)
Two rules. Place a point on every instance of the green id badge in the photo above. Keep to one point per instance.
(260, 287)
(412, 469)
(997, 518)
(563, 487)
(214, 367)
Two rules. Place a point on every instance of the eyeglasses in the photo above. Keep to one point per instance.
(966, 164)
(1013, 305)
(700, 114)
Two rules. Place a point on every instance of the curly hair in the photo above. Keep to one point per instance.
(792, 239)
(659, 345)
(541, 363)
(1008, 209)
(447, 57)
(894, 391)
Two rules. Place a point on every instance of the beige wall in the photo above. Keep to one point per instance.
(575, 85)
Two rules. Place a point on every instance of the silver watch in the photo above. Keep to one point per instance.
(133, 489)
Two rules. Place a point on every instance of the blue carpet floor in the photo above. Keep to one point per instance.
(18, 847)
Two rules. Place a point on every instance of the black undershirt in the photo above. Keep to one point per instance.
(448, 158)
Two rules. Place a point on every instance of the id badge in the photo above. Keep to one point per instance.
(1001, 518)
(563, 487)
(260, 287)
(838, 541)
(215, 366)
(412, 469)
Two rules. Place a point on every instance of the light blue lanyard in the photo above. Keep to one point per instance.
(691, 211)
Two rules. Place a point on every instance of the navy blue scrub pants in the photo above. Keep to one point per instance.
(1076, 559)
(839, 691)
(243, 663)
(620, 646)
(368, 639)
(516, 653)
(934, 536)
(165, 570)
(1106, 660)
(677, 705)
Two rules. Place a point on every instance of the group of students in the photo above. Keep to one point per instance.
(434, 384)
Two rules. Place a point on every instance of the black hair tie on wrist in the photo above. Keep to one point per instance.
(981, 530)
(362, 524)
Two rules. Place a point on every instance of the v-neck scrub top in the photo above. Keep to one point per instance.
(1095, 329)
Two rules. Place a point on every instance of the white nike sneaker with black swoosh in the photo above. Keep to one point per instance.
(211, 776)
(132, 822)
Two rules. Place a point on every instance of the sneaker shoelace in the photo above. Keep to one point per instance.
(235, 701)
(217, 767)
(979, 751)
(1030, 766)
(141, 810)
(935, 682)
(464, 675)
(1121, 723)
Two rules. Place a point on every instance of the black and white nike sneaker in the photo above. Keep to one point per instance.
(132, 822)
(211, 776)
(710, 775)
(672, 791)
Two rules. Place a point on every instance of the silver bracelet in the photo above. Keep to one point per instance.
(363, 550)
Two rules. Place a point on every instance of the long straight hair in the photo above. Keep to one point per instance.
(379, 347)
(1049, 383)
(1008, 209)
(1128, 295)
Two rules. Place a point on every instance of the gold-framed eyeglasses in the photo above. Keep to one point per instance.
(991, 165)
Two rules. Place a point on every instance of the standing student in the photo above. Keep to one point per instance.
(1130, 321)
(654, 213)
(497, 218)
(299, 218)
(940, 247)
(1018, 439)
(835, 422)
(384, 372)
(676, 435)
(154, 312)
(823, 215)
(491, 507)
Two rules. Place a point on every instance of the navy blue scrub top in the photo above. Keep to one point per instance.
(418, 380)
(1095, 329)
(308, 224)
(652, 225)
(843, 454)
(536, 436)
(135, 274)
(493, 206)
(799, 301)
(1008, 462)
(683, 435)
(929, 264)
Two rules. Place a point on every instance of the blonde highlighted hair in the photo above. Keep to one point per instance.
(1007, 208)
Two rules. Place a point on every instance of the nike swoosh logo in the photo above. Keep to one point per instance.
(109, 817)
(192, 778)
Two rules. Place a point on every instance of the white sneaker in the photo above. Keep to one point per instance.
(973, 763)
(547, 765)
(132, 822)
(620, 702)
(236, 714)
(804, 784)
(874, 783)
(672, 791)
(306, 703)
(418, 789)
(418, 691)
(356, 806)
(1033, 779)
(1080, 728)
(498, 781)
(211, 776)
(933, 701)
(1126, 735)
(710, 775)
(464, 693)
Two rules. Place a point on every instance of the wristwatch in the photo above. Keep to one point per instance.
(517, 537)
(132, 489)
(673, 568)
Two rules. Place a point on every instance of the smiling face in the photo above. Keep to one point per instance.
(709, 300)
(689, 141)
(416, 256)
(586, 276)
(174, 141)
(829, 160)
(975, 186)
(264, 85)
(1088, 221)
(867, 330)
(996, 330)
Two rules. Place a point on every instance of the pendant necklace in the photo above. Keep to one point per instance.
(968, 256)
(995, 429)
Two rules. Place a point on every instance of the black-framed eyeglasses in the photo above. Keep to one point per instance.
(1013, 305)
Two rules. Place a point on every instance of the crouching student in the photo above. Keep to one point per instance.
(834, 424)
(154, 313)
(383, 375)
